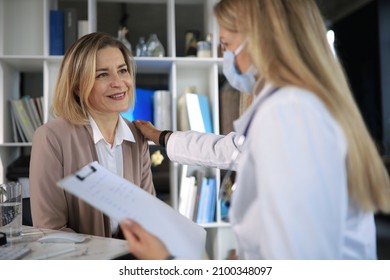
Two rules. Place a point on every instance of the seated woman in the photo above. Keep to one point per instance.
(95, 84)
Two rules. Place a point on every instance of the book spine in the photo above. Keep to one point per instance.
(29, 106)
(183, 190)
(162, 110)
(202, 208)
(38, 104)
(194, 112)
(200, 174)
(183, 123)
(35, 112)
(56, 32)
(82, 28)
(205, 112)
(184, 196)
(213, 200)
(198, 112)
(15, 135)
(191, 197)
(23, 119)
(70, 27)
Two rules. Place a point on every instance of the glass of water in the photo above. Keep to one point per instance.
(11, 209)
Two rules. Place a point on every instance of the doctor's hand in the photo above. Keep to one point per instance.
(143, 244)
(148, 130)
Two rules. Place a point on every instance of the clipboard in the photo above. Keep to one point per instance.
(118, 198)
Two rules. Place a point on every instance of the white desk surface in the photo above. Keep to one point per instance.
(92, 248)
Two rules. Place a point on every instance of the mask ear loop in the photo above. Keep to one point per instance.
(238, 51)
(240, 47)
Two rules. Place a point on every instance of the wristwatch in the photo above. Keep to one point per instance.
(161, 138)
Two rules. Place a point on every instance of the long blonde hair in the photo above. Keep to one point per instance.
(287, 42)
(77, 76)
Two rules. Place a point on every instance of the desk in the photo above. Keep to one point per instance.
(93, 248)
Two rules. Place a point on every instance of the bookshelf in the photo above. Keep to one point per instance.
(24, 49)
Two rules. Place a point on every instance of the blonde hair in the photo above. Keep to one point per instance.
(77, 76)
(288, 45)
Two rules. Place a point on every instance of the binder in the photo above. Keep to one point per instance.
(70, 27)
(56, 30)
(143, 107)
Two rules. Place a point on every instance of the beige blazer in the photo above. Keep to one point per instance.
(60, 148)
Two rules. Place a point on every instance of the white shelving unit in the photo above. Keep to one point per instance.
(24, 48)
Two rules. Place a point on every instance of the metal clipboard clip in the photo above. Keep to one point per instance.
(82, 177)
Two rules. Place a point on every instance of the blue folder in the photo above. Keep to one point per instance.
(143, 107)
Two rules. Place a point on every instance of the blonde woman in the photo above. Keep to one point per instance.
(95, 83)
(309, 177)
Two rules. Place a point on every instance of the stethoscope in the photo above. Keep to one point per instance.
(227, 188)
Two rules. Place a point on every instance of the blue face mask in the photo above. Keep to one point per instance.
(243, 82)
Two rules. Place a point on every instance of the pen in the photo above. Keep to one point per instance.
(55, 253)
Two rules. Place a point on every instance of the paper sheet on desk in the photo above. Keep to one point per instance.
(119, 199)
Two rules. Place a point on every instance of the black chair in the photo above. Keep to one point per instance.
(382, 222)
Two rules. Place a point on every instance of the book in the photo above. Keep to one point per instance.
(199, 175)
(187, 194)
(203, 198)
(162, 110)
(119, 198)
(229, 108)
(212, 200)
(194, 113)
(35, 110)
(183, 123)
(39, 105)
(207, 201)
(82, 28)
(70, 27)
(187, 204)
(32, 111)
(56, 32)
(205, 113)
(22, 118)
(192, 198)
(17, 134)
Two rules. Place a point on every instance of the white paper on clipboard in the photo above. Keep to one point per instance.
(118, 198)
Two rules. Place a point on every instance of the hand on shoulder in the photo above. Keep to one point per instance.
(148, 130)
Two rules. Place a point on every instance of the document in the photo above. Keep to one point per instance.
(118, 198)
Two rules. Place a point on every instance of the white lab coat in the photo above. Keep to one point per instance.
(291, 200)
(204, 149)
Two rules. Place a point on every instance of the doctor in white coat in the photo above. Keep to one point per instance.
(309, 177)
